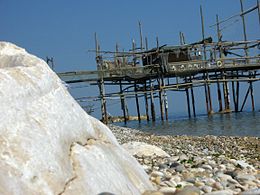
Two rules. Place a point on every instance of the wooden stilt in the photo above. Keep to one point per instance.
(252, 95)
(237, 95)
(165, 99)
(188, 98)
(166, 105)
(146, 103)
(137, 103)
(161, 99)
(210, 101)
(219, 97)
(244, 102)
(192, 98)
(226, 93)
(101, 85)
(152, 101)
(188, 101)
(193, 101)
(206, 97)
(206, 85)
(103, 102)
(122, 97)
(234, 94)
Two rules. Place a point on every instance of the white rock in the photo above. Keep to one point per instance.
(255, 191)
(207, 167)
(157, 173)
(175, 178)
(221, 192)
(144, 149)
(168, 190)
(232, 181)
(223, 177)
(245, 177)
(244, 164)
(206, 189)
(209, 181)
(48, 144)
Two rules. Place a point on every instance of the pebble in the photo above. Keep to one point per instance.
(232, 181)
(199, 184)
(212, 165)
(157, 173)
(245, 177)
(207, 167)
(222, 192)
(168, 190)
(183, 157)
(189, 190)
(170, 183)
(244, 165)
(206, 189)
(218, 186)
(176, 179)
(179, 168)
(255, 191)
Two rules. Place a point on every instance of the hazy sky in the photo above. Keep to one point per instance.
(64, 29)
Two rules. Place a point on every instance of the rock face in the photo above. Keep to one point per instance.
(48, 144)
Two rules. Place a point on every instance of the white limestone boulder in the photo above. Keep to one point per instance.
(143, 149)
(48, 144)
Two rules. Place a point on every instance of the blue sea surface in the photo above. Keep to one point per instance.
(231, 124)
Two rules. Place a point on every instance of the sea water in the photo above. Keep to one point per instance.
(231, 124)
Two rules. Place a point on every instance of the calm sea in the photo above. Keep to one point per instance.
(232, 124)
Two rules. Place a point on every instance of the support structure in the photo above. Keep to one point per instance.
(141, 72)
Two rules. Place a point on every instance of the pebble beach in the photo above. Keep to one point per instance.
(212, 165)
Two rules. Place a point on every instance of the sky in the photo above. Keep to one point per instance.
(64, 29)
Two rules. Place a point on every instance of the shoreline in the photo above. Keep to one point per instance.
(208, 163)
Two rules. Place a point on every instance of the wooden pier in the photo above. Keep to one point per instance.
(144, 73)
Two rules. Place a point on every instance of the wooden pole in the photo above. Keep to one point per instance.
(136, 95)
(258, 9)
(165, 99)
(137, 103)
(146, 43)
(141, 35)
(180, 34)
(244, 26)
(252, 95)
(103, 101)
(152, 101)
(101, 82)
(192, 98)
(122, 97)
(166, 105)
(234, 93)
(219, 97)
(116, 58)
(206, 97)
(226, 93)
(146, 103)
(161, 99)
(237, 95)
(193, 101)
(157, 42)
(210, 101)
(206, 85)
(188, 99)
(220, 55)
(244, 102)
